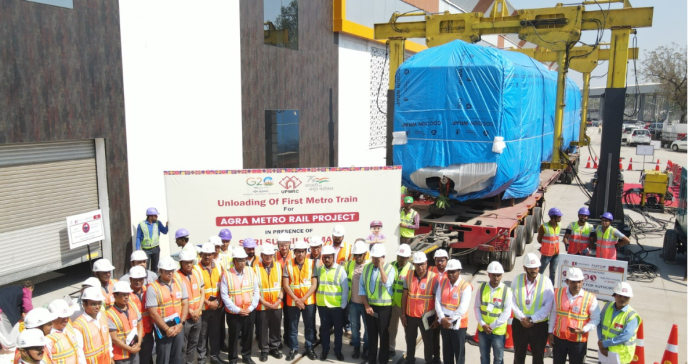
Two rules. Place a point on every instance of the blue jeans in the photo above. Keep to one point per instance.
(331, 317)
(310, 330)
(152, 258)
(545, 260)
(356, 311)
(485, 343)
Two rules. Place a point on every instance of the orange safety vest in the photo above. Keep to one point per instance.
(421, 293)
(140, 304)
(109, 296)
(283, 261)
(440, 276)
(606, 243)
(270, 285)
(64, 350)
(96, 339)
(124, 325)
(579, 238)
(240, 290)
(211, 282)
(572, 314)
(168, 303)
(18, 357)
(193, 287)
(343, 252)
(300, 281)
(550, 241)
(451, 296)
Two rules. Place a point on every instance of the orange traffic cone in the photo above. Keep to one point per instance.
(630, 165)
(475, 340)
(657, 167)
(658, 161)
(670, 356)
(508, 335)
(639, 355)
(595, 158)
(595, 165)
(588, 163)
(620, 166)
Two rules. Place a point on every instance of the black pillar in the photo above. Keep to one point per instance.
(390, 127)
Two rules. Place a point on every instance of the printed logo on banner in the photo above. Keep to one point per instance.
(290, 184)
(85, 228)
(315, 183)
(259, 185)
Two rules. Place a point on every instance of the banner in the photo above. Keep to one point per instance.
(303, 202)
(601, 275)
(85, 228)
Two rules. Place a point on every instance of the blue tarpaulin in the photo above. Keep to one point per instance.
(454, 100)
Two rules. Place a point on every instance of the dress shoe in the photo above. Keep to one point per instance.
(356, 353)
(276, 354)
(340, 357)
(324, 355)
(248, 361)
(215, 359)
(291, 355)
(310, 355)
(392, 353)
(436, 361)
(224, 348)
(263, 357)
(365, 354)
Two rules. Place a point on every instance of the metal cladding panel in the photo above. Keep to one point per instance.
(17, 154)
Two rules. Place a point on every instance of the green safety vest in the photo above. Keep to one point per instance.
(380, 296)
(408, 219)
(490, 317)
(538, 295)
(613, 327)
(149, 242)
(398, 286)
(329, 291)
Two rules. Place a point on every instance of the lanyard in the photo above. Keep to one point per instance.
(529, 291)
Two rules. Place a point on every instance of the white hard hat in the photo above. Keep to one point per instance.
(328, 250)
(574, 274)
(122, 287)
(60, 308)
(404, 251)
(37, 317)
(93, 294)
(315, 241)
(623, 289)
(138, 255)
(267, 249)
(453, 264)
(419, 257)
(531, 261)
(441, 253)
(495, 268)
(167, 263)
(187, 256)
(137, 272)
(378, 251)
(359, 247)
(215, 240)
(102, 265)
(284, 237)
(301, 245)
(239, 253)
(338, 231)
(92, 282)
(31, 338)
(208, 248)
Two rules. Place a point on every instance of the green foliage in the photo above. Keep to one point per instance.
(667, 65)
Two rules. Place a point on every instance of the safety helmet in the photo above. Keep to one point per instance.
(151, 211)
(37, 317)
(239, 253)
(267, 249)
(495, 268)
(419, 258)
(404, 251)
(137, 272)
(138, 255)
(584, 211)
(531, 261)
(60, 308)
(284, 237)
(315, 241)
(122, 287)
(378, 251)
(408, 199)
(93, 294)
(375, 223)
(102, 265)
(167, 263)
(215, 240)
(225, 234)
(574, 274)
(338, 231)
(91, 282)
(301, 245)
(181, 233)
(328, 250)
(208, 248)
(608, 216)
(554, 211)
(31, 338)
(623, 289)
(453, 264)
(441, 253)
(359, 248)
(187, 256)
(249, 243)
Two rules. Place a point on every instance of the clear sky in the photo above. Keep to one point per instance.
(669, 25)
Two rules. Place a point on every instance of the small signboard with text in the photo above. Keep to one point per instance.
(85, 228)
(601, 275)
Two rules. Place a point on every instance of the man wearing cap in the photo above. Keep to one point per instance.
(269, 311)
(125, 326)
(574, 314)
(375, 233)
(451, 304)
(193, 280)
(62, 343)
(167, 302)
(376, 293)
(181, 237)
(356, 309)
(102, 270)
(401, 266)
(619, 323)
(410, 221)
(249, 245)
(340, 245)
(15, 302)
(92, 328)
(283, 253)
(211, 318)
(531, 305)
(147, 237)
(139, 257)
(300, 283)
(549, 236)
(492, 309)
(418, 299)
(609, 238)
(138, 287)
(441, 258)
(31, 347)
(578, 234)
(332, 298)
(239, 289)
(315, 245)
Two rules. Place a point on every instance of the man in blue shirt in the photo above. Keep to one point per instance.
(150, 242)
(376, 293)
(618, 325)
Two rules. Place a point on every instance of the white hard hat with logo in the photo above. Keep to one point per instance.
(315, 241)
(138, 255)
(378, 251)
(284, 237)
(419, 258)
(102, 265)
(623, 289)
(91, 282)
(215, 240)
(239, 253)
(60, 308)
(167, 263)
(359, 248)
(574, 274)
(208, 248)
(328, 250)
(404, 251)
(531, 261)
(38, 317)
(267, 249)
(122, 287)
(137, 272)
(301, 245)
(338, 231)
(495, 268)
(31, 338)
(93, 294)
(441, 253)
(453, 264)
(187, 256)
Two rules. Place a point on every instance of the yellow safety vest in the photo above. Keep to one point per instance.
(613, 327)
(498, 301)
(407, 219)
(379, 296)
(329, 290)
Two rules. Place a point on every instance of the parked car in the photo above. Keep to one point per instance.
(672, 133)
(636, 136)
(679, 145)
(656, 130)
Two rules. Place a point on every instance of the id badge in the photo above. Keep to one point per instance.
(422, 286)
(105, 328)
(490, 307)
(135, 323)
(618, 326)
(455, 295)
(576, 309)
(276, 284)
(245, 282)
(305, 281)
(112, 298)
(194, 286)
(178, 295)
(527, 302)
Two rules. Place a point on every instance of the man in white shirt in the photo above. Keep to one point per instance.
(451, 302)
(531, 306)
(492, 309)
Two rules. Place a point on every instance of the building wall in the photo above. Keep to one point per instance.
(61, 79)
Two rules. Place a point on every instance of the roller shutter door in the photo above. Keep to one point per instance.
(40, 185)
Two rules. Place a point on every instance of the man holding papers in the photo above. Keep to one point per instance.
(492, 309)
(451, 303)
(418, 300)
(125, 325)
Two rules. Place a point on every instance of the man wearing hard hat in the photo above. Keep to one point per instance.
(79, 310)
(419, 299)
(40, 319)
(332, 299)
(315, 245)
(492, 310)
(574, 314)
(31, 345)
(138, 285)
(181, 238)
(618, 325)
(401, 266)
(577, 235)
(451, 304)
(221, 260)
(102, 269)
(139, 257)
(410, 221)
(283, 254)
(225, 252)
(531, 305)
(62, 343)
(376, 293)
(92, 328)
(269, 311)
(249, 245)
(193, 280)
(124, 318)
(211, 318)
(549, 236)
(356, 310)
(441, 258)
(147, 237)
(340, 245)
(609, 238)
(300, 283)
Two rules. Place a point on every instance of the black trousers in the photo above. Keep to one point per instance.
(534, 336)
(286, 325)
(413, 325)
(145, 354)
(331, 317)
(245, 324)
(453, 345)
(436, 344)
(575, 351)
(379, 325)
(268, 324)
(210, 333)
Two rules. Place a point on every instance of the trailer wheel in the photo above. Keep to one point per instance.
(507, 258)
(669, 246)
(568, 178)
(528, 229)
(520, 244)
(537, 218)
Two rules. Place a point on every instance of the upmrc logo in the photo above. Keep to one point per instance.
(290, 184)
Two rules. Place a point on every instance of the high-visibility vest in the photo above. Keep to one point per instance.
(193, 287)
(343, 252)
(149, 242)
(109, 296)
(329, 290)
(96, 339)
(440, 276)
(407, 219)
(398, 285)
(606, 243)
(270, 285)
(421, 293)
(572, 314)
(225, 259)
(284, 261)
(498, 301)
(240, 290)
(536, 300)
(300, 281)
(64, 350)
(45, 360)
(379, 296)
(579, 238)
(168, 303)
(211, 282)
(612, 327)
(451, 295)
(551, 239)
(124, 325)
(140, 304)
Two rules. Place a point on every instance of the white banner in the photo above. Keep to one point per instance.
(303, 202)
(85, 228)
(601, 275)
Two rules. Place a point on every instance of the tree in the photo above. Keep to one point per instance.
(667, 65)
(287, 19)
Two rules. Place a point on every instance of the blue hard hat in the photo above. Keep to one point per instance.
(608, 216)
(555, 212)
(181, 233)
(584, 211)
(225, 234)
(151, 211)
(249, 243)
